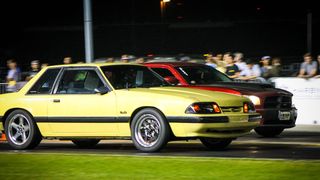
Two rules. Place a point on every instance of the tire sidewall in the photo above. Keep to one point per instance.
(32, 131)
(164, 133)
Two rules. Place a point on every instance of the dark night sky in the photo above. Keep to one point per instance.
(19, 18)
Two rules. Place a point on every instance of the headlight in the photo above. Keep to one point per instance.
(203, 108)
(248, 107)
(254, 99)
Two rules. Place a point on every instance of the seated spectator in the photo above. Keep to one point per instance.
(221, 64)
(210, 60)
(265, 66)
(238, 60)
(308, 68)
(252, 71)
(67, 60)
(140, 60)
(232, 70)
(35, 68)
(44, 65)
(275, 67)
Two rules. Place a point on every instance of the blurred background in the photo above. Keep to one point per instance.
(52, 29)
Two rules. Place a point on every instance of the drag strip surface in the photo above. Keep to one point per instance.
(290, 145)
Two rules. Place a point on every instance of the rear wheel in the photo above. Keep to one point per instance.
(150, 130)
(85, 143)
(215, 144)
(21, 130)
(269, 131)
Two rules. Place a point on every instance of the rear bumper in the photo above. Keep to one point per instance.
(270, 118)
(226, 127)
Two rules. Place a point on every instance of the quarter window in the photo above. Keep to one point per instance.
(79, 82)
(45, 82)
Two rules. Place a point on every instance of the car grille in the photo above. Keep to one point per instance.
(278, 102)
(231, 109)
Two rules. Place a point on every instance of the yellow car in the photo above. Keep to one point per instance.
(89, 102)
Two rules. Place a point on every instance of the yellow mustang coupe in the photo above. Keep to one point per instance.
(89, 102)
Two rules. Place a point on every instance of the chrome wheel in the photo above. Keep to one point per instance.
(19, 129)
(148, 130)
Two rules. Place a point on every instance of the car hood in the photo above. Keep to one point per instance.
(193, 95)
(250, 88)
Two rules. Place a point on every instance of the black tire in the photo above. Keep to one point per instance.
(268, 131)
(31, 138)
(215, 144)
(85, 143)
(158, 127)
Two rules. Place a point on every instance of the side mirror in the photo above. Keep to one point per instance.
(102, 90)
(171, 80)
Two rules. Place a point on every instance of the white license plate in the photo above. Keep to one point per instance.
(284, 116)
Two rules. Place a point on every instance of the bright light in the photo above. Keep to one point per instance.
(166, 1)
(254, 99)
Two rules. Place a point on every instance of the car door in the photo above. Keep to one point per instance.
(76, 109)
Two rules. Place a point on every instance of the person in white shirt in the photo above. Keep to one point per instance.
(251, 72)
(238, 60)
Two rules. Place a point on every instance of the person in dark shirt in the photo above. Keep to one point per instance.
(232, 69)
(35, 68)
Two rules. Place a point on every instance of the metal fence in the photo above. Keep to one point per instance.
(3, 88)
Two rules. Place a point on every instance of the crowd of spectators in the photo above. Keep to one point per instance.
(232, 64)
(236, 67)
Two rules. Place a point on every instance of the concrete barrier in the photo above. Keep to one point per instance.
(306, 97)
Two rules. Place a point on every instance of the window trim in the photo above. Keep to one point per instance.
(64, 69)
(51, 89)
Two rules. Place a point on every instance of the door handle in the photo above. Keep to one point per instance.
(56, 100)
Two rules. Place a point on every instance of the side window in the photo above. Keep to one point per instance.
(162, 72)
(45, 82)
(79, 82)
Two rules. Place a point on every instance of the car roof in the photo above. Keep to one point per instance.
(175, 64)
(92, 65)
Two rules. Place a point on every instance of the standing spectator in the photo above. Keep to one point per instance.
(265, 66)
(210, 60)
(13, 76)
(318, 71)
(308, 68)
(238, 60)
(35, 68)
(251, 72)
(67, 60)
(232, 70)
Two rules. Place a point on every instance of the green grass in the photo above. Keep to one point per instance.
(80, 167)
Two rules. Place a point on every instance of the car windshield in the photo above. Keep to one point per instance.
(132, 76)
(202, 75)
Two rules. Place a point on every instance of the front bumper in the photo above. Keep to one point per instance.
(270, 118)
(214, 127)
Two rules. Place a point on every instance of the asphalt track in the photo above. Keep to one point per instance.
(289, 145)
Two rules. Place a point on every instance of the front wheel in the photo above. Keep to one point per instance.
(215, 144)
(268, 131)
(85, 143)
(21, 130)
(149, 130)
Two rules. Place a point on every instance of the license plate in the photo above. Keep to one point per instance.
(284, 116)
